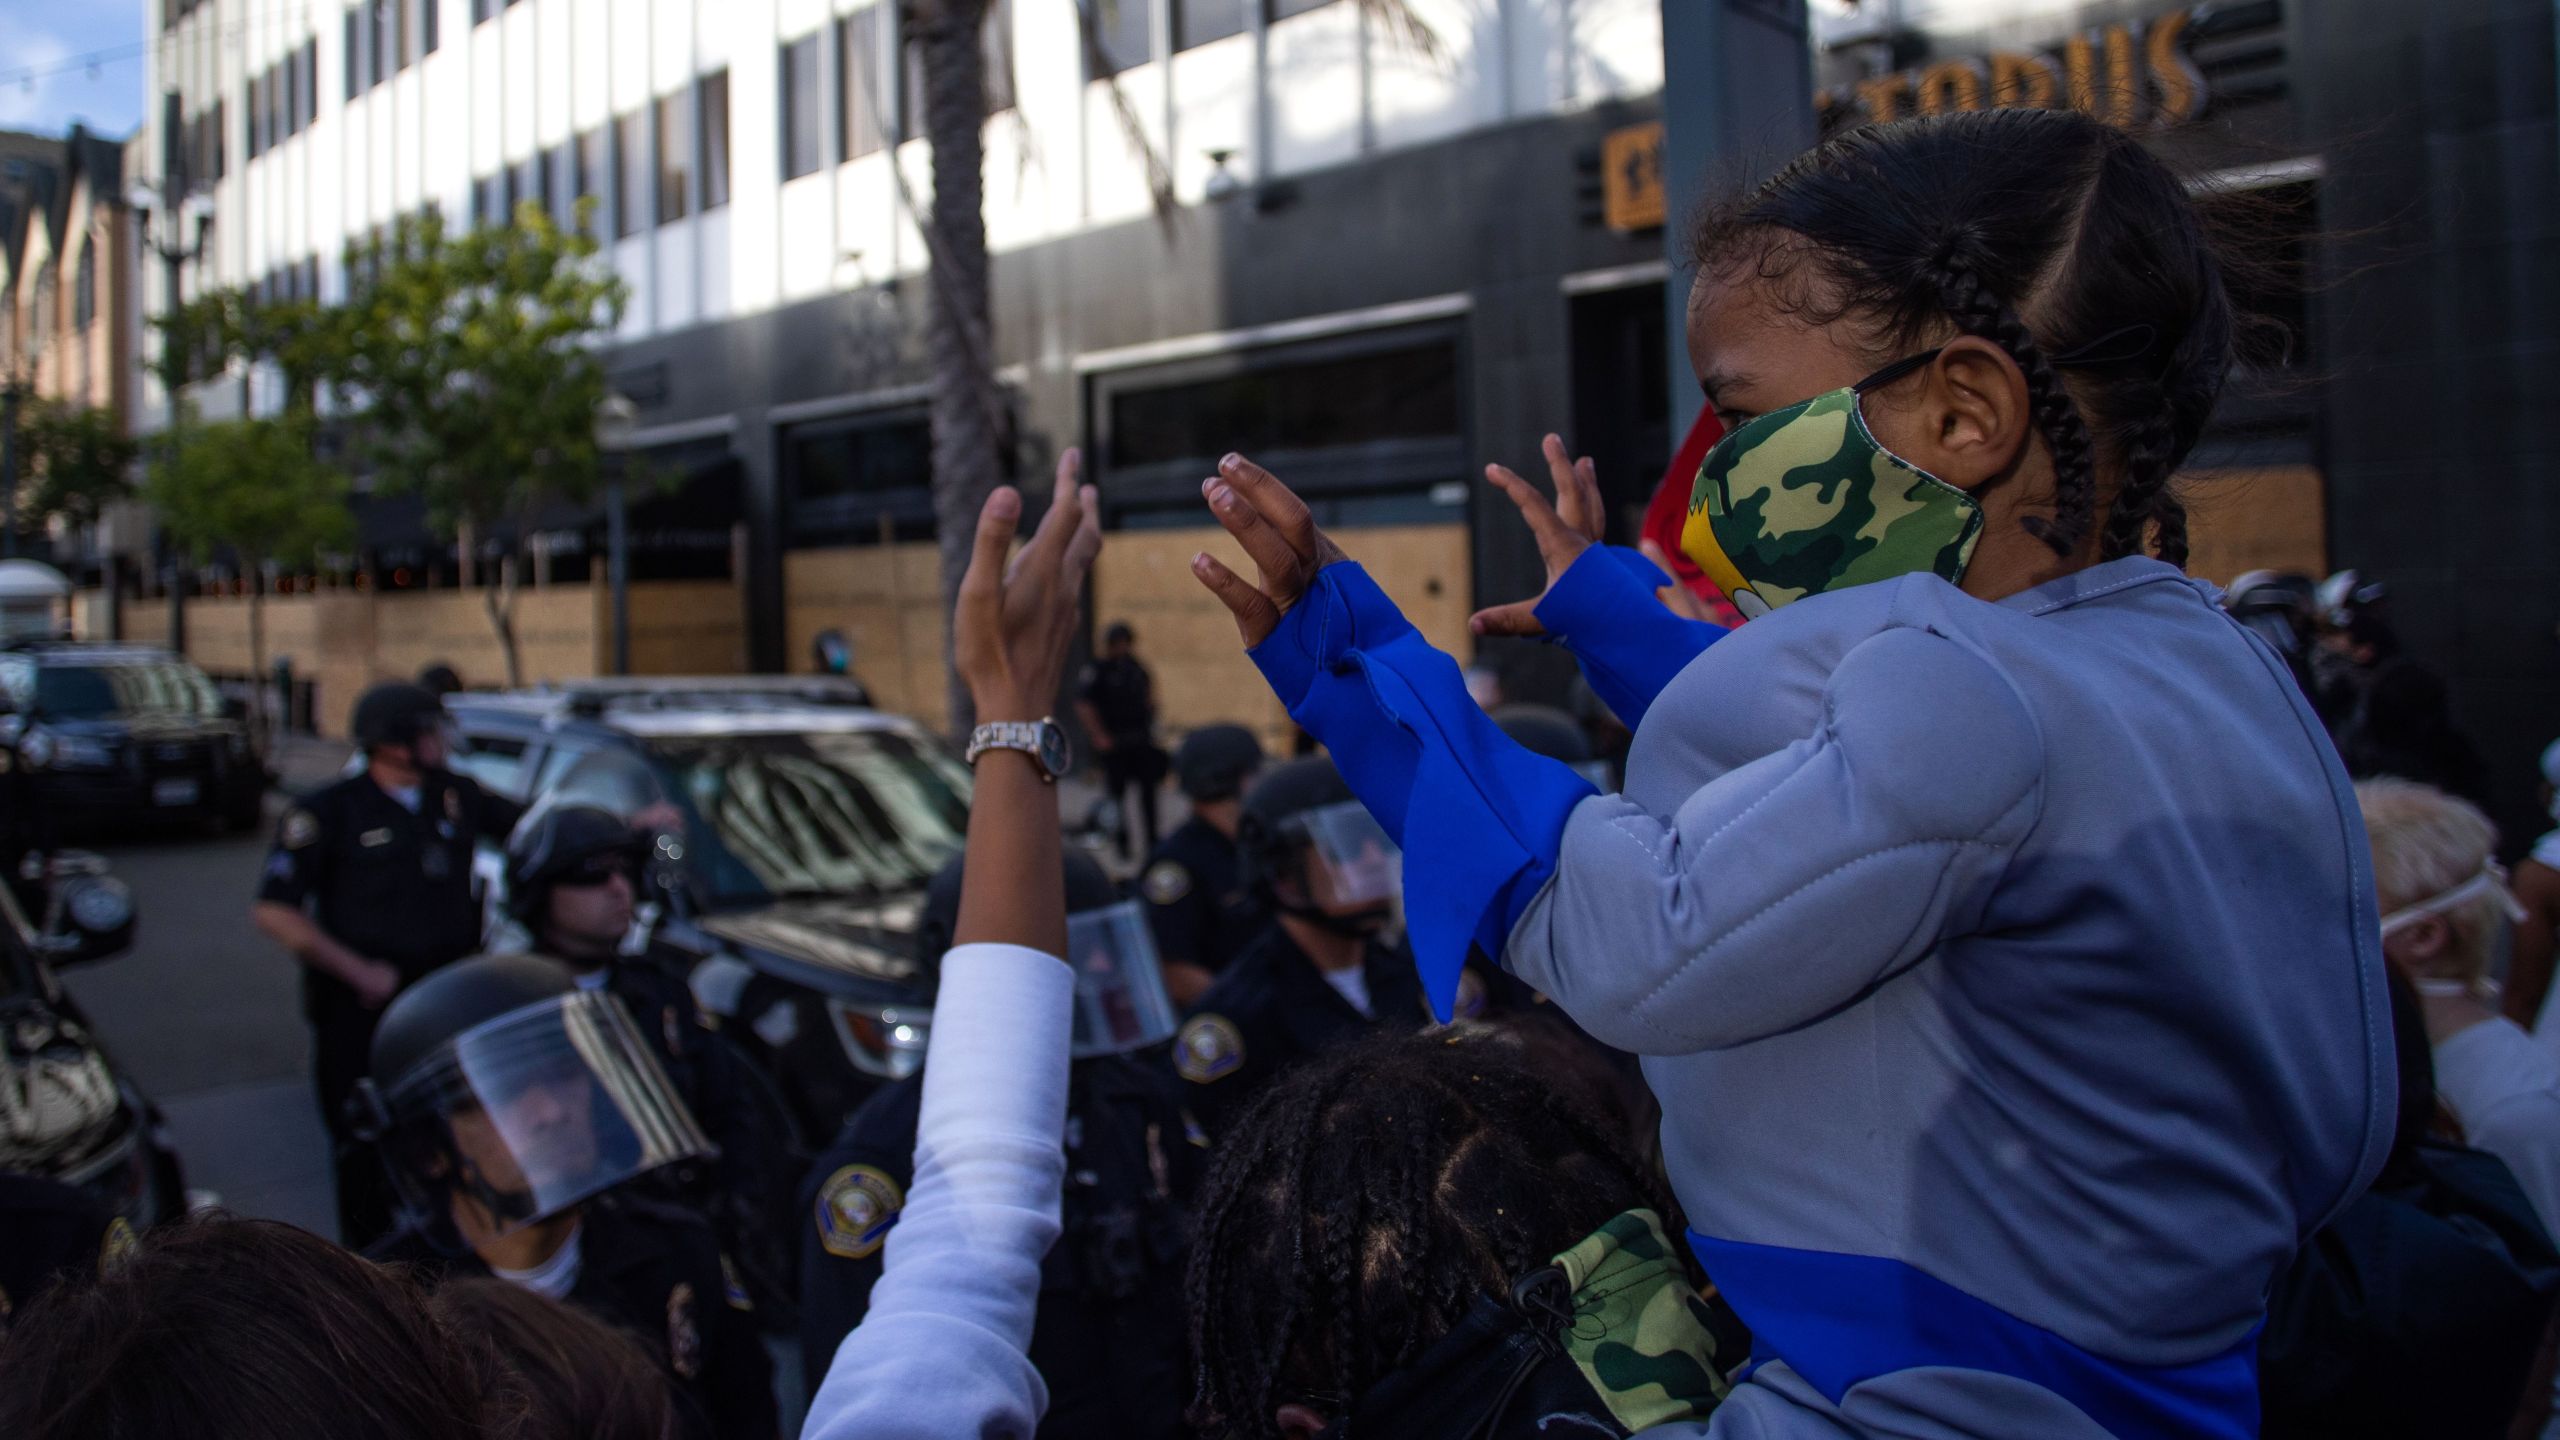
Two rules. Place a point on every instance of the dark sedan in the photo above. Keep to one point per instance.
(123, 733)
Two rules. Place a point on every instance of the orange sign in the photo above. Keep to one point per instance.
(1631, 178)
(2130, 75)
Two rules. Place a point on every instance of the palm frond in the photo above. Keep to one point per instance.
(1405, 27)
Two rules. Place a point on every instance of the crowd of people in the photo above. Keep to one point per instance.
(2007, 988)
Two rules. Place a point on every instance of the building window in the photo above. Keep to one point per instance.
(1197, 22)
(675, 155)
(863, 110)
(842, 478)
(84, 287)
(715, 140)
(488, 200)
(560, 183)
(1283, 9)
(427, 37)
(1125, 32)
(257, 118)
(352, 60)
(631, 174)
(803, 109)
(595, 178)
(532, 182)
(374, 47)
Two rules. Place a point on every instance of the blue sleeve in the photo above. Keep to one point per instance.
(1629, 644)
(1479, 817)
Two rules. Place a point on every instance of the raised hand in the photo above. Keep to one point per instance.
(1563, 530)
(1277, 530)
(1016, 620)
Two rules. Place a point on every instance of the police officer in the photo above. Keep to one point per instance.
(1195, 893)
(573, 878)
(370, 887)
(1116, 700)
(1323, 972)
(514, 1112)
(1108, 1337)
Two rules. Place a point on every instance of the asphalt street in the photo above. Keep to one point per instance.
(207, 1017)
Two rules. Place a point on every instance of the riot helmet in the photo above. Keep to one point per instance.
(396, 712)
(2278, 606)
(1308, 848)
(503, 1093)
(1215, 762)
(440, 678)
(1121, 1003)
(568, 844)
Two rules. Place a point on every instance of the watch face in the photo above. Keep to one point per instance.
(1053, 747)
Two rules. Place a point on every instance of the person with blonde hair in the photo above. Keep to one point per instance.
(2445, 903)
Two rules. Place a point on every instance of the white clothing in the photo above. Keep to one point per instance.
(554, 1278)
(1352, 984)
(2505, 1089)
(943, 1351)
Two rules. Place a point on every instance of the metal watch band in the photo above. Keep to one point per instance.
(1022, 735)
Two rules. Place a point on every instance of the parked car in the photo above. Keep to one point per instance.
(122, 733)
(67, 1112)
(811, 823)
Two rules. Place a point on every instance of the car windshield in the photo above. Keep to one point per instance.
(772, 816)
(99, 692)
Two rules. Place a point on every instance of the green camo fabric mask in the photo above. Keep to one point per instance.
(1805, 499)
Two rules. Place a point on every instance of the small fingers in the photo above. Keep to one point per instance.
(1518, 618)
(1255, 614)
(1065, 511)
(1085, 543)
(1533, 506)
(1276, 503)
(1283, 565)
(1559, 464)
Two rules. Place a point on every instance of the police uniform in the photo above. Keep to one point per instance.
(744, 1191)
(390, 884)
(1109, 1336)
(1123, 696)
(654, 1271)
(1273, 1007)
(1197, 902)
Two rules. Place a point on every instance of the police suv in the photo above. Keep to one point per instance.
(810, 825)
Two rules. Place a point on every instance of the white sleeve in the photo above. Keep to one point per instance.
(943, 1350)
(1780, 890)
(2505, 1089)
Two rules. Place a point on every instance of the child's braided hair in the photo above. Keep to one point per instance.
(2053, 235)
(1363, 1202)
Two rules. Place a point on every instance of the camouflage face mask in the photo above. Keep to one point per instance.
(1805, 499)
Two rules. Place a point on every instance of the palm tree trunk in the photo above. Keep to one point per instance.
(500, 601)
(966, 427)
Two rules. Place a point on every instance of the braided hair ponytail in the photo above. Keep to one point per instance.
(1363, 1202)
(2054, 236)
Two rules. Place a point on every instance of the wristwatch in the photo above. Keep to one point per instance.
(1042, 740)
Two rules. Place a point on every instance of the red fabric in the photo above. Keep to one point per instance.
(1669, 511)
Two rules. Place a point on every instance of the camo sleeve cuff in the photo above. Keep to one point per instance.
(1629, 645)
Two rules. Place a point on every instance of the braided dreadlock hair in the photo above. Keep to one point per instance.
(2053, 235)
(1364, 1201)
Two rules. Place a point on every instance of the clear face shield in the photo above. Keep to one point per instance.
(523, 1116)
(2490, 884)
(1351, 864)
(1121, 1004)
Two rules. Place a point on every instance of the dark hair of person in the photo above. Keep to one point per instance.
(553, 1372)
(219, 1328)
(2057, 237)
(1363, 1202)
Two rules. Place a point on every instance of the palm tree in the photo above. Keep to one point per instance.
(972, 425)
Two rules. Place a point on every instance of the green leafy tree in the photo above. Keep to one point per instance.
(254, 489)
(78, 463)
(472, 362)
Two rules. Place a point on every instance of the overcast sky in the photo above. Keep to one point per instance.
(43, 85)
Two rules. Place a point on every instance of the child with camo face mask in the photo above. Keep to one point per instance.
(1991, 915)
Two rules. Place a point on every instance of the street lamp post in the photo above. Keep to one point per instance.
(176, 249)
(616, 418)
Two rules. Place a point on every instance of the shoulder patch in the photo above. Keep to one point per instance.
(732, 1288)
(1166, 881)
(301, 827)
(1207, 1048)
(453, 805)
(1192, 1134)
(684, 1336)
(117, 1244)
(856, 1208)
